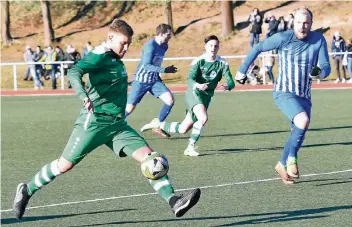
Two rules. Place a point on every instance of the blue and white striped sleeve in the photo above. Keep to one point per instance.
(323, 58)
(273, 42)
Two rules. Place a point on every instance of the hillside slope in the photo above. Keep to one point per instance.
(77, 22)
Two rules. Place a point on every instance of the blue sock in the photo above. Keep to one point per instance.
(293, 144)
(164, 112)
(286, 152)
(126, 113)
(297, 137)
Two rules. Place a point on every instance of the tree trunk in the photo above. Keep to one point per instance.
(5, 23)
(49, 35)
(168, 15)
(227, 18)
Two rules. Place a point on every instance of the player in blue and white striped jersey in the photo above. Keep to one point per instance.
(147, 75)
(303, 55)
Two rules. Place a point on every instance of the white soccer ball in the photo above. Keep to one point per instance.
(155, 166)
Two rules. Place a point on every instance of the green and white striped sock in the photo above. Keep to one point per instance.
(196, 132)
(46, 174)
(163, 187)
(170, 127)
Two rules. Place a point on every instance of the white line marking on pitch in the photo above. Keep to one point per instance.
(179, 190)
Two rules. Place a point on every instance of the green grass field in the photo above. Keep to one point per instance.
(240, 145)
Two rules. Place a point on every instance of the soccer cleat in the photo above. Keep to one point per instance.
(186, 202)
(280, 169)
(292, 167)
(154, 124)
(21, 200)
(190, 151)
(161, 133)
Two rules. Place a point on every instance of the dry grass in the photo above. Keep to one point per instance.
(144, 16)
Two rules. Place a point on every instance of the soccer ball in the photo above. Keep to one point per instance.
(155, 166)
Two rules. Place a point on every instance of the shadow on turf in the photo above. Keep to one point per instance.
(5, 221)
(256, 218)
(255, 133)
(238, 150)
(336, 181)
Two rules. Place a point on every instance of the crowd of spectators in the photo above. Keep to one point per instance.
(49, 69)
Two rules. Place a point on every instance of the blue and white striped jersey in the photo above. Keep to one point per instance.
(296, 59)
(149, 67)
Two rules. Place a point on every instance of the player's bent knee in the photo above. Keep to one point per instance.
(302, 121)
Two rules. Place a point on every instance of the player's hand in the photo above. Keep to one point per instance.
(201, 87)
(240, 77)
(315, 72)
(170, 69)
(88, 104)
(223, 87)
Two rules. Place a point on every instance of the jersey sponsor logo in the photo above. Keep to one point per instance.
(113, 60)
(210, 76)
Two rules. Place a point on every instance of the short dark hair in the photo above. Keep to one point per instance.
(162, 29)
(122, 27)
(211, 37)
(89, 43)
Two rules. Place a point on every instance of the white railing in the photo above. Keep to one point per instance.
(61, 63)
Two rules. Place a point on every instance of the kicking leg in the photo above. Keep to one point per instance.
(129, 143)
(179, 204)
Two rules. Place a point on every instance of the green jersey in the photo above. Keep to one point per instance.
(203, 71)
(108, 81)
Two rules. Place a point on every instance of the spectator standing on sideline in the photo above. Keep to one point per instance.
(60, 56)
(39, 54)
(29, 57)
(27, 52)
(338, 45)
(255, 29)
(50, 69)
(272, 28)
(281, 26)
(289, 23)
(269, 62)
(88, 47)
(349, 59)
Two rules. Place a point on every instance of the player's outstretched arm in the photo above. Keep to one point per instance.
(273, 42)
(324, 63)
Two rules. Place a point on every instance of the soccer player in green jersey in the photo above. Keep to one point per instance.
(205, 74)
(102, 121)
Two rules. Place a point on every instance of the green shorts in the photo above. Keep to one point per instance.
(93, 130)
(194, 97)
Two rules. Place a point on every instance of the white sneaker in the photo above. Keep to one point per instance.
(337, 80)
(318, 81)
(349, 81)
(154, 124)
(190, 151)
(343, 80)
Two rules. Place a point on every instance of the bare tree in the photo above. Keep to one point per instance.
(5, 23)
(168, 15)
(49, 35)
(227, 17)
